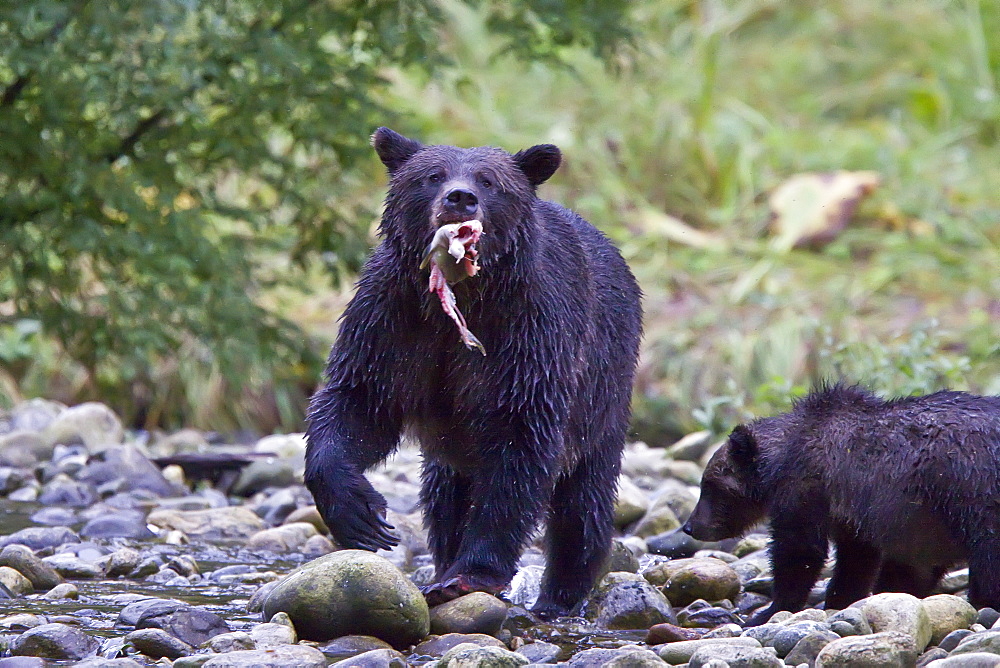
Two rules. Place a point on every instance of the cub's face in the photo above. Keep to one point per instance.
(730, 502)
(433, 186)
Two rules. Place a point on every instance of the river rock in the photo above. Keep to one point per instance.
(468, 655)
(947, 613)
(540, 651)
(435, 645)
(234, 641)
(15, 582)
(282, 539)
(286, 656)
(66, 590)
(351, 591)
(63, 490)
(674, 544)
(661, 633)
(972, 660)
(122, 524)
(631, 503)
(788, 635)
(55, 641)
(157, 643)
(72, 567)
(849, 622)
(271, 634)
(628, 601)
(898, 612)
(212, 523)
(808, 647)
(681, 652)
(347, 646)
(477, 612)
(129, 467)
(688, 580)
(40, 538)
(659, 518)
(633, 657)
(986, 641)
(754, 565)
(736, 656)
(35, 414)
(187, 623)
(24, 560)
(376, 658)
(93, 424)
(889, 648)
(264, 473)
(23, 449)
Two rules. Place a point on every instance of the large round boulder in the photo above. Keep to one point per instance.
(351, 592)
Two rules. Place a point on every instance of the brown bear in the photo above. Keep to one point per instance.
(903, 488)
(500, 331)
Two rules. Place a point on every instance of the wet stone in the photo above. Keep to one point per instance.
(540, 652)
(347, 646)
(189, 624)
(376, 658)
(157, 643)
(40, 538)
(473, 613)
(736, 656)
(808, 648)
(66, 590)
(118, 525)
(55, 641)
(435, 645)
(288, 656)
(351, 591)
(24, 560)
(231, 642)
(628, 601)
(951, 641)
(474, 656)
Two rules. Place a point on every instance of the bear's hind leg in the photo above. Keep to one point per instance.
(444, 495)
(578, 535)
(984, 574)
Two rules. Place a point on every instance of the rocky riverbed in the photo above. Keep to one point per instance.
(124, 549)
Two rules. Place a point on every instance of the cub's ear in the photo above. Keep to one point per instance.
(538, 162)
(743, 446)
(393, 148)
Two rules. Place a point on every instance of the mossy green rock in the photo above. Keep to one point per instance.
(351, 592)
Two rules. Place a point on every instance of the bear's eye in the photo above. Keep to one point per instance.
(485, 181)
(435, 178)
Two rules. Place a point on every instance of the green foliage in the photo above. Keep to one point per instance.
(716, 104)
(162, 162)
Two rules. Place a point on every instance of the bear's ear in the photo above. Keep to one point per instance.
(393, 148)
(743, 446)
(538, 162)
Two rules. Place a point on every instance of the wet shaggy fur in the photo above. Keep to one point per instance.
(535, 428)
(903, 488)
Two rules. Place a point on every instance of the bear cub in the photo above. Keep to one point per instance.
(501, 332)
(903, 488)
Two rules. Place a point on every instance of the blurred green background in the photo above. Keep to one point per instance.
(187, 191)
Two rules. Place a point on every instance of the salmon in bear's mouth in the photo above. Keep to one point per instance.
(453, 257)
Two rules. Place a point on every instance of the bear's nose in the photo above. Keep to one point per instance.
(461, 201)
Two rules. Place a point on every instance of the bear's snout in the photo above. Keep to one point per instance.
(458, 205)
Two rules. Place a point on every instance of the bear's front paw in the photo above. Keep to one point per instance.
(762, 616)
(356, 519)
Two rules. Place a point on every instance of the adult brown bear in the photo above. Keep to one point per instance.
(903, 488)
(528, 417)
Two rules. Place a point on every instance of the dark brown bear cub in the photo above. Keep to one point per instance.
(903, 488)
(500, 331)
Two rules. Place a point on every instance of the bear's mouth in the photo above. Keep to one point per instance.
(453, 257)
